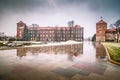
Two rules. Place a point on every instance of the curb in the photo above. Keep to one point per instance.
(109, 58)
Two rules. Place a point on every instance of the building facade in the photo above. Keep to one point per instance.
(104, 34)
(101, 28)
(36, 33)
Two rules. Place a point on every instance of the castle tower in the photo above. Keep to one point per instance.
(20, 29)
(101, 28)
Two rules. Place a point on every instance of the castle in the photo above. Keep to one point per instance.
(36, 33)
(104, 34)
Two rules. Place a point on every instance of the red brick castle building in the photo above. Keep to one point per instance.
(102, 33)
(36, 33)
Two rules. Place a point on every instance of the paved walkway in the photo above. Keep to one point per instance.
(84, 61)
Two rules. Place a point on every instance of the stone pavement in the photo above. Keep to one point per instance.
(58, 63)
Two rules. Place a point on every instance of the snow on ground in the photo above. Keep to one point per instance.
(56, 44)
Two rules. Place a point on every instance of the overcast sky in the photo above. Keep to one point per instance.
(57, 12)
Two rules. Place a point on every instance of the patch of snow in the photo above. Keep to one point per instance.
(70, 42)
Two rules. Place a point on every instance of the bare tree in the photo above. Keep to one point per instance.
(116, 26)
(113, 32)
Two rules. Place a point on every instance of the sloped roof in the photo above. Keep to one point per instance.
(101, 21)
(111, 30)
(77, 26)
(41, 28)
(20, 22)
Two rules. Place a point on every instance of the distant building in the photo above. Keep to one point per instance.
(36, 33)
(3, 37)
(102, 33)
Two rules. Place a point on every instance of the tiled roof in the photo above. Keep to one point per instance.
(77, 26)
(52, 28)
(111, 30)
(47, 28)
(101, 21)
(20, 22)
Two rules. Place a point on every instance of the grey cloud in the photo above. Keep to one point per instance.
(23, 5)
(70, 2)
(49, 9)
(95, 5)
(105, 5)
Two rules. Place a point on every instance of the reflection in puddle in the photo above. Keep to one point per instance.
(100, 51)
(57, 63)
(70, 50)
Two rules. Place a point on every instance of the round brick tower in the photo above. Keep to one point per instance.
(101, 28)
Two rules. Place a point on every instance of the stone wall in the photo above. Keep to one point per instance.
(100, 38)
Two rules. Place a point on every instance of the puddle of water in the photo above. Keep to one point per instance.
(88, 56)
(87, 52)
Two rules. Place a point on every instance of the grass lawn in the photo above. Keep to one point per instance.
(114, 50)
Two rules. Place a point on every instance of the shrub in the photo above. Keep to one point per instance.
(1, 44)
